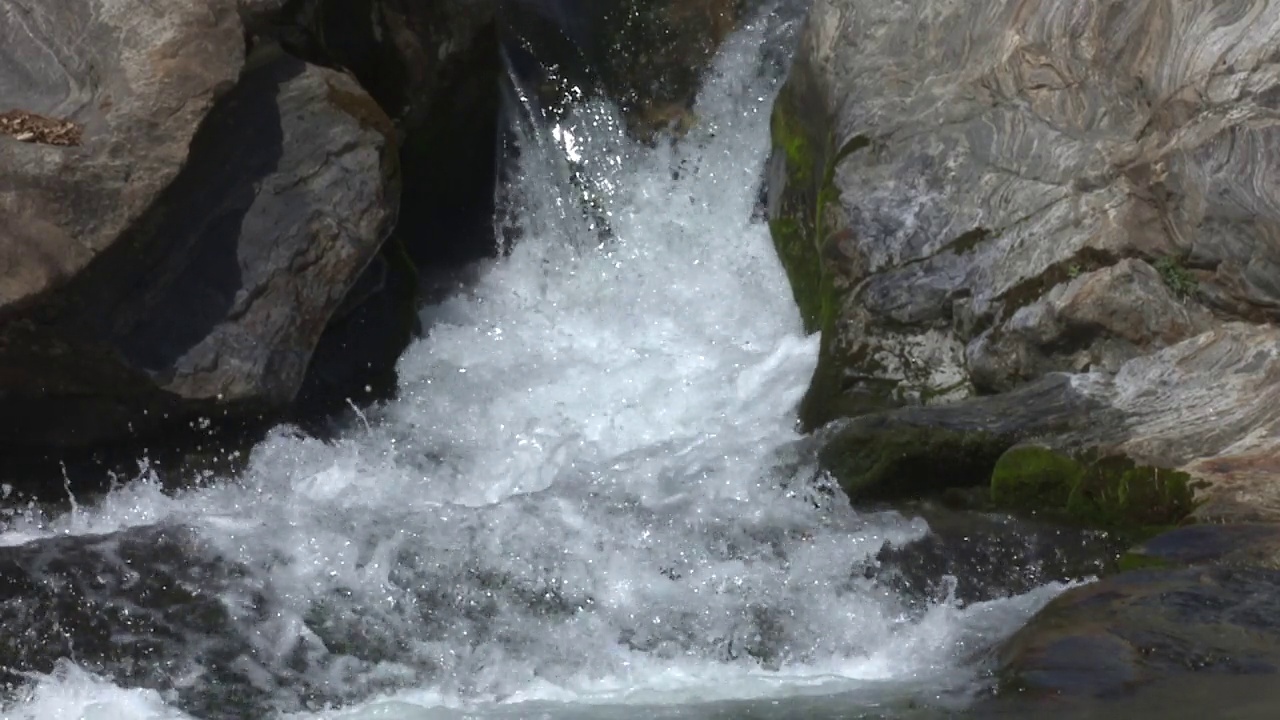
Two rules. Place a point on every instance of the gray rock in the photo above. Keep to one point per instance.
(186, 257)
(953, 166)
(970, 197)
(1094, 322)
(1137, 633)
(139, 79)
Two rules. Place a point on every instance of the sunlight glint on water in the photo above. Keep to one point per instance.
(587, 493)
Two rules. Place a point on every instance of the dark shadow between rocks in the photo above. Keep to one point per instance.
(448, 163)
(187, 287)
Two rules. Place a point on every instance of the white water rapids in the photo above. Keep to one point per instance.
(589, 498)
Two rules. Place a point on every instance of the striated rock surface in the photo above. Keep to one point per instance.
(972, 196)
(971, 158)
(186, 255)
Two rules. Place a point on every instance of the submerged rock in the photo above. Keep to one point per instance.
(975, 557)
(143, 606)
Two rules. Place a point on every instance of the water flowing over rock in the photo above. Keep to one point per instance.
(588, 496)
(189, 251)
(971, 196)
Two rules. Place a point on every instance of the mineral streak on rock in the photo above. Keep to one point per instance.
(26, 126)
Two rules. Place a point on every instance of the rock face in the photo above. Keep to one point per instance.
(194, 215)
(189, 252)
(140, 81)
(970, 196)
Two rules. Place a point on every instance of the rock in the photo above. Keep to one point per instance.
(1097, 321)
(139, 83)
(145, 606)
(206, 264)
(882, 458)
(976, 557)
(1209, 612)
(913, 451)
(1186, 433)
(1244, 544)
(968, 196)
(653, 54)
(435, 69)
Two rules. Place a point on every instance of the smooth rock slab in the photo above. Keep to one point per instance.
(1124, 632)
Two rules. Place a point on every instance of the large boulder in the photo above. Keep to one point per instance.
(972, 196)
(139, 80)
(943, 169)
(1197, 612)
(185, 256)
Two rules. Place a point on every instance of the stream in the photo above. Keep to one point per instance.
(588, 500)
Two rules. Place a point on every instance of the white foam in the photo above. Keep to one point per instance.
(70, 693)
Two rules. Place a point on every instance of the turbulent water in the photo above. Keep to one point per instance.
(588, 500)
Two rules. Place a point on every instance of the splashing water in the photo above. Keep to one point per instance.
(589, 492)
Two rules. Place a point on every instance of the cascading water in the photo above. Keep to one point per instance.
(588, 498)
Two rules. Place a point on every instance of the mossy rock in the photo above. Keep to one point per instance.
(1109, 492)
(889, 461)
(806, 224)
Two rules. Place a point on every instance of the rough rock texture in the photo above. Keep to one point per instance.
(139, 79)
(190, 252)
(969, 196)
(972, 157)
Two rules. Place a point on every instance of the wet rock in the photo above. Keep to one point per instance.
(975, 557)
(208, 296)
(968, 196)
(143, 606)
(1246, 544)
(652, 54)
(877, 458)
(1198, 612)
(1205, 406)
(1125, 632)
(914, 451)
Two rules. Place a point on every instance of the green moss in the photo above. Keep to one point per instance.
(1109, 492)
(796, 254)
(1034, 478)
(805, 226)
(886, 461)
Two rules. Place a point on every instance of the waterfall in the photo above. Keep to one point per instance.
(588, 499)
